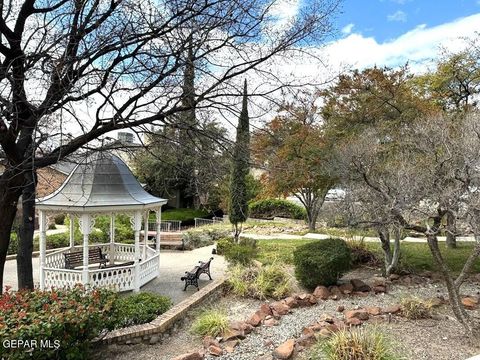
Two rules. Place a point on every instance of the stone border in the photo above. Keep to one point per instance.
(152, 331)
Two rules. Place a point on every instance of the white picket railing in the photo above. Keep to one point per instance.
(120, 277)
(149, 269)
(203, 222)
(61, 278)
(166, 226)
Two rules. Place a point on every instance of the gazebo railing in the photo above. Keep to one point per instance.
(149, 269)
(61, 278)
(118, 278)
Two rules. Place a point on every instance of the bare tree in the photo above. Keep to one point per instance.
(435, 168)
(95, 66)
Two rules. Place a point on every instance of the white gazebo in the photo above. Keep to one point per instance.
(101, 185)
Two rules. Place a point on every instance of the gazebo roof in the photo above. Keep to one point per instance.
(102, 183)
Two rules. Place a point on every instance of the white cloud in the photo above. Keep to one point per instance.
(348, 28)
(417, 46)
(399, 16)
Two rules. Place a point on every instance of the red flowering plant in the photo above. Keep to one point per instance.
(53, 324)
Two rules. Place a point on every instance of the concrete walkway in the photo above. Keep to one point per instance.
(173, 265)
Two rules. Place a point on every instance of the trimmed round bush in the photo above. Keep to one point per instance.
(321, 262)
(139, 308)
(270, 208)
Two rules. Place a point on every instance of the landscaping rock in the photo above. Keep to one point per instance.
(231, 334)
(340, 308)
(189, 356)
(285, 351)
(470, 303)
(336, 292)
(229, 346)
(353, 322)
(325, 333)
(280, 308)
(378, 281)
(255, 320)
(346, 288)
(209, 340)
(359, 285)
(291, 302)
(270, 322)
(265, 308)
(393, 309)
(379, 289)
(307, 340)
(374, 310)
(326, 318)
(215, 350)
(321, 292)
(394, 277)
(241, 326)
(359, 314)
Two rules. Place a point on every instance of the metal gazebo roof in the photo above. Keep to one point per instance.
(103, 183)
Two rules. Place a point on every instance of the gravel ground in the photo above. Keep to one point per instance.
(423, 339)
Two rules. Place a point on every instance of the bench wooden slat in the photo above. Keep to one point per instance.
(75, 259)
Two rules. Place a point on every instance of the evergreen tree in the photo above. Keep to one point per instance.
(240, 169)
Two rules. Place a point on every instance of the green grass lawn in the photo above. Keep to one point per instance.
(414, 256)
(182, 214)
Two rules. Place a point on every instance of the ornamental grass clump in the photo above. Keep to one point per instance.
(354, 344)
(211, 322)
(414, 308)
(58, 323)
(268, 281)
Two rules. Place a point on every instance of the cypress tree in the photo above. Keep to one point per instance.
(238, 211)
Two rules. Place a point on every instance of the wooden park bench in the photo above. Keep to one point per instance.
(191, 277)
(95, 256)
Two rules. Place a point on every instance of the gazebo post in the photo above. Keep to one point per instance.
(145, 234)
(158, 213)
(111, 253)
(86, 228)
(43, 235)
(72, 230)
(137, 225)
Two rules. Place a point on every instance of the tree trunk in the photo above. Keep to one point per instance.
(391, 260)
(472, 328)
(451, 241)
(27, 228)
(311, 219)
(10, 191)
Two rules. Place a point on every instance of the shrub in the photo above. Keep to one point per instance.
(211, 322)
(354, 344)
(72, 317)
(203, 237)
(59, 219)
(269, 281)
(58, 240)
(13, 246)
(240, 254)
(414, 308)
(270, 208)
(321, 262)
(223, 245)
(52, 226)
(139, 309)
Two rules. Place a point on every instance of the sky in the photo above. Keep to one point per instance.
(392, 32)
